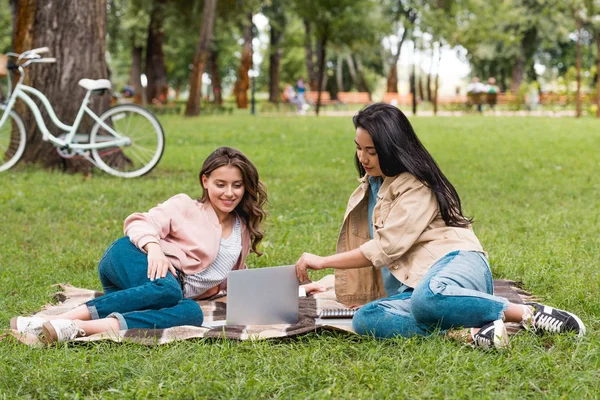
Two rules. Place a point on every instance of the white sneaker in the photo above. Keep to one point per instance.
(31, 325)
(60, 330)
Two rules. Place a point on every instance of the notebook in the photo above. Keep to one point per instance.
(262, 296)
(338, 313)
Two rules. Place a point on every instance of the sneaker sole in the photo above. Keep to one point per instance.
(501, 341)
(49, 334)
(579, 322)
(13, 323)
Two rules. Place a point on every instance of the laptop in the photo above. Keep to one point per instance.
(262, 296)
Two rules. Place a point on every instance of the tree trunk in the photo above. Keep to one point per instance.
(242, 84)
(276, 51)
(215, 77)
(578, 76)
(392, 79)
(75, 33)
(598, 75)
(339, 72)
(437, 80)
(362, 82)
(135, 81)
(192, 107)
(429, 73)
(352, 70)
(322, 55)
(308, 50)
(413, 88)
(518, 70)
(156, 71)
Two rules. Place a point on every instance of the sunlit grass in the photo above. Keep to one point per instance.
(532, 185)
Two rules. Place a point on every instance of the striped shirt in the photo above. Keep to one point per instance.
(229, 252)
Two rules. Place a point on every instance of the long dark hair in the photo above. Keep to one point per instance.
(255, 194)
(400, 150)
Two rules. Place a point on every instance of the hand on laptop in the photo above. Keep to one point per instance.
(313, 287)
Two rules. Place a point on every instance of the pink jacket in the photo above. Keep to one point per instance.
(187, 231)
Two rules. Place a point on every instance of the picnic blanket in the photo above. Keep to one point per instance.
(214, 310)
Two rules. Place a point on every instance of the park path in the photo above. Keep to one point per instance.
(429, 113)
(539, 113)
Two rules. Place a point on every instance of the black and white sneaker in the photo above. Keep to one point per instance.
(548, 319)
(492, 335)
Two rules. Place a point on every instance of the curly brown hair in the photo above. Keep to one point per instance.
(251, 208)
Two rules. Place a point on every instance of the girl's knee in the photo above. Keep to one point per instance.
(114, 253)
(193, 312)
(365, 318)
(169, 290)
(425, 308)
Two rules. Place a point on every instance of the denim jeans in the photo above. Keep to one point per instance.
(457, 291)
(135, 300)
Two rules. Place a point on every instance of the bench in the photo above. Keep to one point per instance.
(311, 98)
(354, 97)
(397, 99)
(451, 99)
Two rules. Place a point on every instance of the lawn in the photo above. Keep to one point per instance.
(531, 184)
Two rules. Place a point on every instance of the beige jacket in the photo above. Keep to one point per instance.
(409, 237)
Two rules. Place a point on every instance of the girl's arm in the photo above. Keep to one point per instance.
(151, 226)
(349, 259)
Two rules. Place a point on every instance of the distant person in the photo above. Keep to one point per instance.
(289, 96)
(405, 227)
(492, 92)
(533, 97)
(128, 91)
(475, 89)
(300, 90)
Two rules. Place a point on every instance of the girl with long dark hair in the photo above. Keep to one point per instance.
(408, 251)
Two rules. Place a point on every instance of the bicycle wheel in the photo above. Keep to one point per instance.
(11, 146)
(146, 147)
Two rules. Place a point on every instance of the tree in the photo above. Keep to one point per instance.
(503, 37)
(75, 32)
(156, 71)
(277, 22)
(127, 32)
(589, 17)
(404, 13)
(335, 22)
(242, 84)
(202, 53)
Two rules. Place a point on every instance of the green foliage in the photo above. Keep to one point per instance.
(528, 182)
(5, 28)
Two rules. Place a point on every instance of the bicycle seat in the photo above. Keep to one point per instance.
(95, 84)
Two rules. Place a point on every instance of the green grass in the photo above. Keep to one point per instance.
(532, 185)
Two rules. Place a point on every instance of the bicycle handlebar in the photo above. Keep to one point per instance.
(40, 50)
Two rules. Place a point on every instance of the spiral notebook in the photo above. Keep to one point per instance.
(337, 313)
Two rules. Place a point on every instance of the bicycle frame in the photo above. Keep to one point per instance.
(23, 92)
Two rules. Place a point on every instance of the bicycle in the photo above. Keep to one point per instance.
(126, 133)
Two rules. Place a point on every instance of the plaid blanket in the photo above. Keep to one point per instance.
(214, 310)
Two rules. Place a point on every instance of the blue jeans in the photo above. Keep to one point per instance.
(457, 291)
(135, 300)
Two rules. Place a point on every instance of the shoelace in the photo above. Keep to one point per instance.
(71, 331)
(481, 341)
(547, 322)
